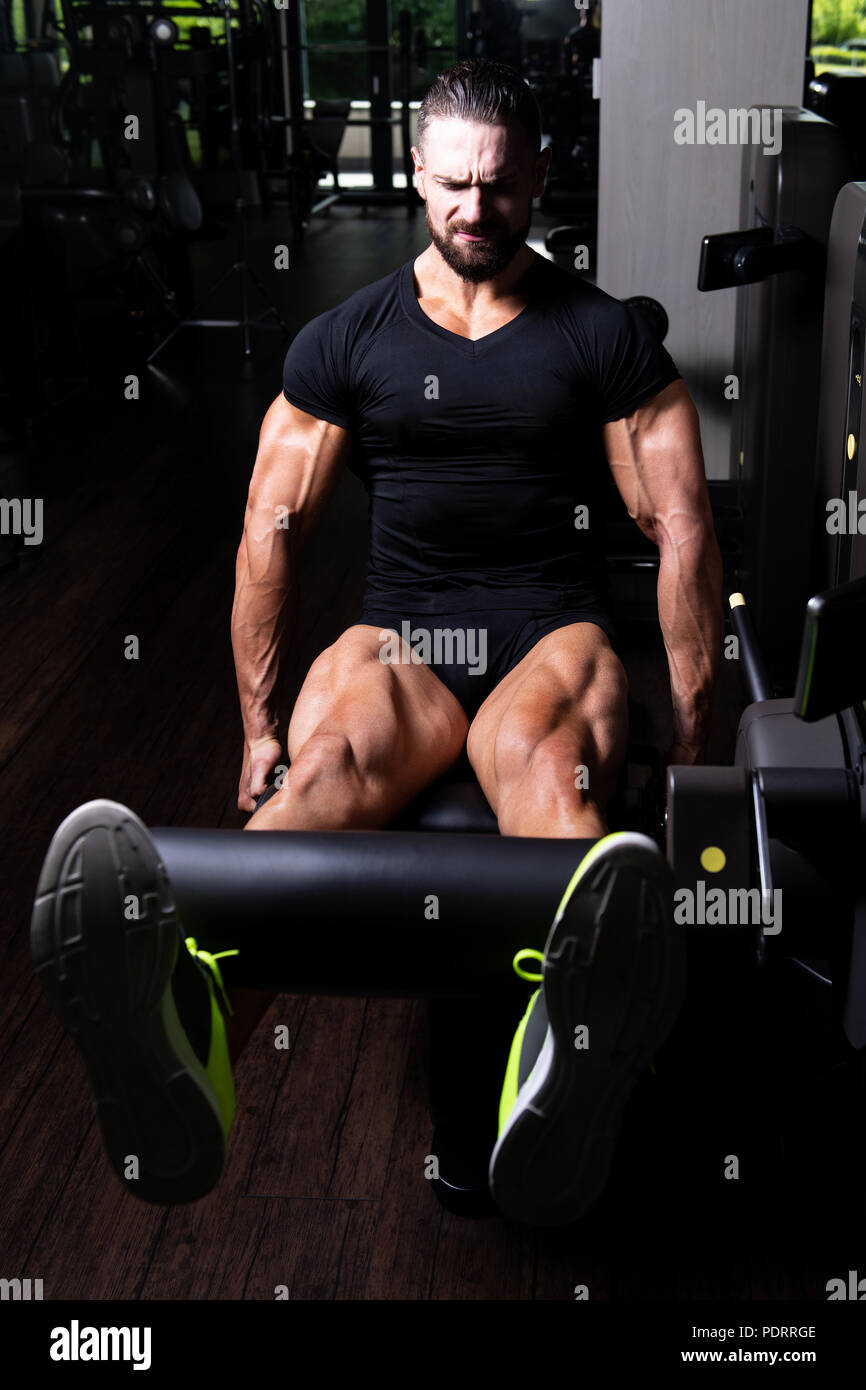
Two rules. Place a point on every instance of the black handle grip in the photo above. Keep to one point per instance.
(757, 676)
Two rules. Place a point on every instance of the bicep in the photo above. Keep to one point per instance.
(299, 461)
(657, 463)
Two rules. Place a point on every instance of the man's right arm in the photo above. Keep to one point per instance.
(298, 463)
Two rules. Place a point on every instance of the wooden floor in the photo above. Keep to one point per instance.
(325, 1190)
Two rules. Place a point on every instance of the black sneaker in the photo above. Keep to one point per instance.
(109, 953)
(614, 964)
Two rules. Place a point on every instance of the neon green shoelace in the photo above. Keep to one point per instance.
(526, 974)
(211, 962)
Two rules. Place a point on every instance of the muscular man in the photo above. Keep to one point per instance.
(476, 391)
(480, 393)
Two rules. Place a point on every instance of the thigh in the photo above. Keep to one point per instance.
(569, 695)
(401, 722)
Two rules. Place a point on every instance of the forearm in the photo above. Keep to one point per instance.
(262, 618)
(690, 616)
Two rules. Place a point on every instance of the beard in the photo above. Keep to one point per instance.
(482, 260)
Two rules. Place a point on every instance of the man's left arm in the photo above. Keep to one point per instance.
(657, 463)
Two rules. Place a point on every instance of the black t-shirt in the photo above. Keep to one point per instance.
(478, 456)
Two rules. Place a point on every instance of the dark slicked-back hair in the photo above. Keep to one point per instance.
(476, 89)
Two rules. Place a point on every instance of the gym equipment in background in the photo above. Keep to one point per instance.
(787, 981)
(652, 313)
(78, 242)
(840, 97)
(840, 484)
(107, 221)
(790, 815)
(832, 673)
(311, 156)
(570, 122)
(240, 266)
(777, 263)
(315, 155)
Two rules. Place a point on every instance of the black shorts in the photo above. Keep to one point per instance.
(473, 650)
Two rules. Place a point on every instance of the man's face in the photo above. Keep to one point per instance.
(478, 182)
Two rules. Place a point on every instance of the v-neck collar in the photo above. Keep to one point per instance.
(472, 347)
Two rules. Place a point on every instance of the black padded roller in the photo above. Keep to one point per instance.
(348, 912)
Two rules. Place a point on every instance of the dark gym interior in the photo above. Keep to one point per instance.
(150, 289)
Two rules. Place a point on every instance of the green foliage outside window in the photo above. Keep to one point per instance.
(345, 21)
(834, 21)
